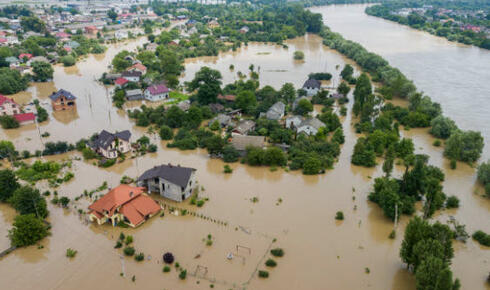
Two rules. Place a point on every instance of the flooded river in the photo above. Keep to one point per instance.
(297, 210)
(455, 75)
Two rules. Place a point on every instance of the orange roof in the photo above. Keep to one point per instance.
(230, 98)
(136, 210)
(132, 203)
(138, 66)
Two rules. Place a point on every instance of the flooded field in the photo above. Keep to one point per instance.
(321, 253)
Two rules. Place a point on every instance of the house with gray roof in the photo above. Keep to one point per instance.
(241, 142)
(109, 145)
(244, 127)
(222, 119)
(310, 126)
(312, 87)
(276, 111)
(293, 122)
(170, 181)
(134, 95)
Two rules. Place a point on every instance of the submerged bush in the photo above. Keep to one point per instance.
(452, 202)
(277, 252)
(129, 251)
(168, 258)
(70, 253)
(263, 274)
(339, 216)
(139, 257)
(270, 263)
(482, 238)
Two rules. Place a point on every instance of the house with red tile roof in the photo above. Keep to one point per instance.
(25, 118)
(157, 92)
(125, 203)
(120, 82)
(138, 67)
(62, 35)
(23, 56)
(91, 30)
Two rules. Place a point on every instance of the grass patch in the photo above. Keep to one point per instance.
(177, 97)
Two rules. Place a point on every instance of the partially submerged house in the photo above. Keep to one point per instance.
(132, 76)
(312, 87)
(134, 95)
(310, 126)
(138, 67)
(126, 204)
(109, 145)
(63, 100)
(173, 182)
(241, 142)
(157, 92)
(8, 107)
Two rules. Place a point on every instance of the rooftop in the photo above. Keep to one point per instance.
(175, 174)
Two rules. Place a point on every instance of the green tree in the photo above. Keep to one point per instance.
(215, 145)
(442, 127)
(112, 15)
(363, 154)
(362, 91)
(288, 93)
(304, 107)
(68, 60)
(464, 146)
(8, 184)
(11, 81)
(343, 88)
(9, 122)
(230, 154)
(7, 150)
(347, 72)
(389, 161)
(274, 156)
(166, 133)
(338, 136)
(32, 23)
(27, 200)
(121, 61)
(312, 166)
(434, 274)
(27, 230)
(43, 71)
(207, 82)
(246, 101)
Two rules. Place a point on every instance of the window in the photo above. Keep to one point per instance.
(156, 180)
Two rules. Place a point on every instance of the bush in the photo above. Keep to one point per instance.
(482, 238)
(166, 133)
(168, 258)
(68, 60)
(166, 269)
(139, 257)
(299, 55)
(230, 154)
(129, 240)
(183, 274)
(227, 169)
(70, 253)
(118, 245)
(129, 251)
(453, 164)
(263, 274)
(452, 202)
(278, 252)
(437, 143)
(339, 216)
(464, 146)
(270, 263)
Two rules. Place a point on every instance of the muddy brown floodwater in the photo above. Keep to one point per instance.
(321, 253)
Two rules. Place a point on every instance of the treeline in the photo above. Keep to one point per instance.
(463, 146)
(444, 25)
